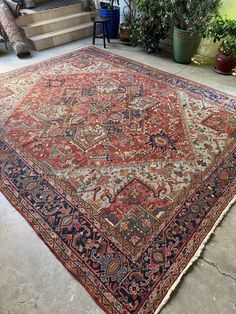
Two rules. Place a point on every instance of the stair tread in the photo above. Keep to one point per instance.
(61, 31)
(32, 17)
(56, 19)
(74, 6)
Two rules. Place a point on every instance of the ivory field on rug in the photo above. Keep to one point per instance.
(122, 170)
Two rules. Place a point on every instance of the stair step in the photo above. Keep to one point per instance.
(62, 36)
(57, 23)
(30, 18)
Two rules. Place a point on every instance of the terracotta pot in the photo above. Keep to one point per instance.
(125, 33)
(224, 64)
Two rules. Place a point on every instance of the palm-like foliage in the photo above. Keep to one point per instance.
(129, 12)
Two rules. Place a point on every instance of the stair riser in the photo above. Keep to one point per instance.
(61, 39)
(48, 14)
(31, 31)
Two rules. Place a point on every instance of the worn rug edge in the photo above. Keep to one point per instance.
(196, 255)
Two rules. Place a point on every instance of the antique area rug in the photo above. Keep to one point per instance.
(123, 170)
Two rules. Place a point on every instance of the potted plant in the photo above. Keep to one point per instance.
(224, 30)
(129, 13)
(190, 18)
(110, 9)
(151, 24)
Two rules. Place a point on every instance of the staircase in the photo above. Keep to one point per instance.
(50, 28)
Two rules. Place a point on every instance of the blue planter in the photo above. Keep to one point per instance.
(114, 16)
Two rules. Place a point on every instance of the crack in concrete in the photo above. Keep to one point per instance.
(217, 268)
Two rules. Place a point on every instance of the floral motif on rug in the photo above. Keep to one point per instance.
(123, 170)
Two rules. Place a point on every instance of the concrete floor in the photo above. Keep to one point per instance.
(33, 281)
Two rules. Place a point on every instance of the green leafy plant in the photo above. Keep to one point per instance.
(193, 15)
(224, 30)
(151, 25)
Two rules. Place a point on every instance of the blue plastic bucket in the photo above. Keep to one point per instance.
(114, 16)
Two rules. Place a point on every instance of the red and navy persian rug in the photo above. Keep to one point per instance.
(123, 170)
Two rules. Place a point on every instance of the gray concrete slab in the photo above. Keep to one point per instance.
(33, 281)
(221, 251)
(203, 291)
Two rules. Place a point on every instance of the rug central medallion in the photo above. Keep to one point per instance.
(95, 129)
(111, 120)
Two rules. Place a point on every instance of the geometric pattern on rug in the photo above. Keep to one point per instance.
(121, 169)
(5, 92)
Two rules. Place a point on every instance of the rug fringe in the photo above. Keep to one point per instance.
(196, 255)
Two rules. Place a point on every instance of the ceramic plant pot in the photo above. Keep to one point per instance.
(114, 16)
(224, 64)
(185, 44)
(125, 33)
